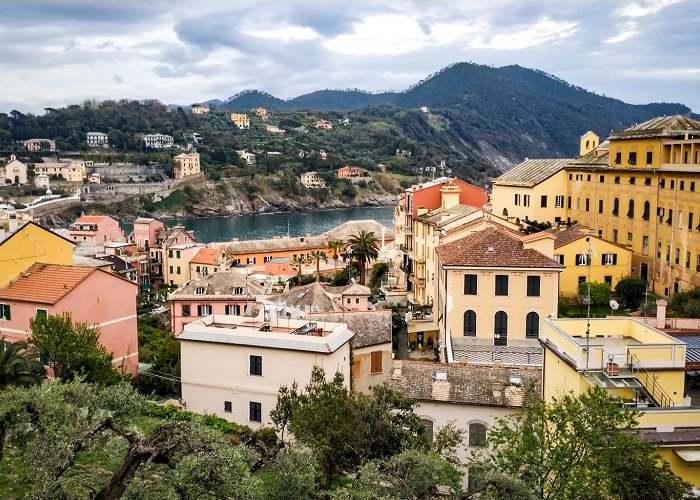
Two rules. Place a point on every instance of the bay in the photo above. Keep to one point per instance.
(261, 226)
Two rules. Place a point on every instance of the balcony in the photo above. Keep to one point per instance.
(415, 257)
(417, 280)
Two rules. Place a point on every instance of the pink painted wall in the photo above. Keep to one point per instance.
(147, 232)
(107, 230)
(355, 303)
(101, 299)
(178, 321)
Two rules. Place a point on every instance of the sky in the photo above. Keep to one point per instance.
(57, 53)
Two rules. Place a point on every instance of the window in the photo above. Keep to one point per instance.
(618, 158)
(647, 209)
(185, 309)
(697, 263)
(469, 323)
(588, 177)
(526, 200)
(588, 204)
(600, 206)
(238, 290)
(203, 310)
(680, 219)
(250, 260)
(568, 202)
(673, 183)
(559, 257)
(470, 284)
(543, 201)
(677, 260)
(375, 362)
(256, 365)
(687, 260)
(41, 313)
(171, 269)
(427, 430)
(645, 243)
(501, 284)
(177, 254)
(581, 279)
(517, 200)
(617, 179)
(228, 407)
(532, 325)
(633, 180)
(647, 181)
(199, 290)
(559, 201)
(477, 434)
(500, 328)
(255, 412)
(668, 254)
(616, 207)
(178, 270)
(571, 176)
(662, 183)
(602, 179)
(681, 185)
(609, 259)
(614, 235)
(232, 309)
(692, 186)
(669, 221)
(629, 238)
(583, 259)
(170, 253)
(632, 158)
(690, 221)
(630, 209)
(533, 286)
(650, 158)
(5, 311)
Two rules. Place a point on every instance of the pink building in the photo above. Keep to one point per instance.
(95, 229)
(40, 145)
(145, 232)
(224, 292)
(93, 296)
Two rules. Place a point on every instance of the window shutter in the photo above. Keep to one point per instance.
(376, 362)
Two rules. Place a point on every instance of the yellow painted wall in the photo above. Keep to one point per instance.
(503, 197)
(29, 245)
(680, 467)
(559, 378)
(568, 284)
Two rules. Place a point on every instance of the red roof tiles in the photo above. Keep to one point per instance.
(207, 256)
(45, 283)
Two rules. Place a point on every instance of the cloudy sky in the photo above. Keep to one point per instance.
(58, 53)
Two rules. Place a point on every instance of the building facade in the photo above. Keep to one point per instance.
(312, 180)
(240, 120)
(97, 140)
(40, 145)
(13, 172)
(95, 229)
(158, 141)
(186, 165)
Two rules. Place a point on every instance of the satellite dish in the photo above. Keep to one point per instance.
(614, 305)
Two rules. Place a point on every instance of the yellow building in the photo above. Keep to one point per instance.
(185, 165)
(495, 288)
(29, 244)
(586, 257)
(240, 120)
(633, 361)
(72, 172)
(176, 263)
(636, 189)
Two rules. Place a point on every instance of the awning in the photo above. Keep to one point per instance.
(690, 456)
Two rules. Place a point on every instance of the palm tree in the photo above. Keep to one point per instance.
(298, 262)
(364, 250)
(317, 256)
(19, 365)
(337, 247)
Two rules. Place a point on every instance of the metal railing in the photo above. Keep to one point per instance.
(648, 381)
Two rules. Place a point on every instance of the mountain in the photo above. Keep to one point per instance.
(508, 113)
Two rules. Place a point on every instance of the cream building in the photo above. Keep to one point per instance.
(233, 366)
(40, 145)
(97, 139)
(312, 180)
(495, 288)
(240, 120)
(72, 172)
(200, 109)
(185, 165)
(13, 172)
(158, 141)
(176, 263)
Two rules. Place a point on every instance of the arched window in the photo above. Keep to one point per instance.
(532, 325)
(647, 209)
(469, 323)
(500, 329)
(477, 434)
(616, 206)
(630, 210)
(587, 143)
(505, 212)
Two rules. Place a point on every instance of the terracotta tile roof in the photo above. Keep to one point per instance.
(95, 219)
(45, 283)
(465, 384)
(492, 247)
(356, 289)
(207, 255)
(565, 236)
(532, 172)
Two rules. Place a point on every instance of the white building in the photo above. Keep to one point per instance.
(158, 141)
(233, 366)
(97, 140)
(312, 180)
(40, 145)
(14, 172)
(200, 109)
(249, 158)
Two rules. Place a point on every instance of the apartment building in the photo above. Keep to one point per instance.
(240, 120)
(69, 171)
(95, 229)
(207, 261)
(158, 141)
(636, 189)
(233, 366)
(312, 180)
(145, 232)
(186, 165)
(637, 363)
(176, 262)
(97, 140)
(350, 172)
(40, 145)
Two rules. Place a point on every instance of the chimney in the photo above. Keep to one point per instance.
(12, 222)
(449, 194)
(661, 313)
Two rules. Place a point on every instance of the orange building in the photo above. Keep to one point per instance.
(348, 172)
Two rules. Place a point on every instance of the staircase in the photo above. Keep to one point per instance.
(654, 391)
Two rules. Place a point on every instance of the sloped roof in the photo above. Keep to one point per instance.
(465, 384)
(532, 172)
(94, 219)
(442, 216)
(45, 283)
(356, 289)
(592, 159)
(492, 247)
(207, 255)
(351, 228)
(564, 236)
(276, 245)
(661, 126)
(370, 327)
(27, 224)
(314, 296)
(219, 285)
(144, 220)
